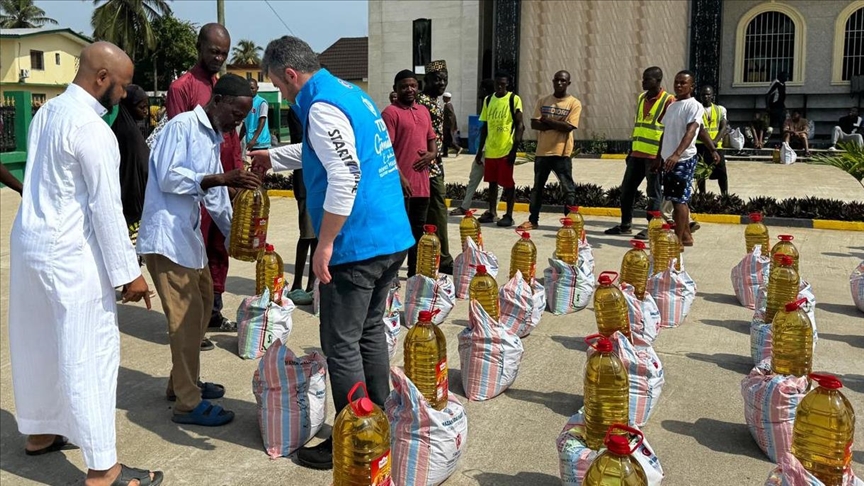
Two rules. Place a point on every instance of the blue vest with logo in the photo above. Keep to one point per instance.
(252, 124)
(378, 224)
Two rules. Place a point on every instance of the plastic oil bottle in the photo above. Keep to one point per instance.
(616, 466)
(634, 268)
(523, 257)
(666, 248)
(269, 274)
(756, 233)
(426, 360)
(823, 431)
(469, 227)
(484, 289)
(786, 247)
(249, 225)
(792, 350)
(428, 252)
(783, 282)
(607, 391)
(578, 220)
(655, 226)
(610, 307)
(361, 443)
(567, 243)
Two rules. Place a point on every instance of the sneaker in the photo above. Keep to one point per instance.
(694, 225)
(228, 325)
(317, 457)
(458, 211)
(618, 230)
(642, 235)
(506, 221)
(528, 226)
(832, 148)
(206, 345)
(486, 217)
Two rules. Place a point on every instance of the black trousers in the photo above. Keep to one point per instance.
(638, 169)
(417, 207)
(562, 166)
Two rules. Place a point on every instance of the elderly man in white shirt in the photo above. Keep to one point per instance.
(185, 173)
(69, 249)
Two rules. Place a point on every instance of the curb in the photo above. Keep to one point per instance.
(825, 224)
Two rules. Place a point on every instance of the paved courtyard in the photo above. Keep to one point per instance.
(697, 431)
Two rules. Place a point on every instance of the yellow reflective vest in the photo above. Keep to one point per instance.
(712, 125)
(648, 129)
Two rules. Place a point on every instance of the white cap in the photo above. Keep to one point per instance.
(448, 95)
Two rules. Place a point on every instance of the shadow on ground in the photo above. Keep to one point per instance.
(742, 327)
(521, 479)
(53, 469)
(718, 436)
(240, 285)
(561, 403)
(731, 362)
(147, 325)
(569, 342)
(853, 382)
(842, 309)
(854, 341)
(720, 298)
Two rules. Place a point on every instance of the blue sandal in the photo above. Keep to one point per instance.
(205, 414)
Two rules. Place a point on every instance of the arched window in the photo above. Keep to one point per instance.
(770, 41)
(849, 43)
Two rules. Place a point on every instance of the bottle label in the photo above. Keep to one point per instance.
(259, 232)
(278, 285)
(442, 382)
(380, 470)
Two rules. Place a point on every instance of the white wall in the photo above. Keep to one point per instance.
(455, 38)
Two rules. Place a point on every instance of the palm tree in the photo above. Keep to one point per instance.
(126, 23)
(246, 53)
(22, 14)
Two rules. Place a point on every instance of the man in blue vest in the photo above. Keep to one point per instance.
(255, 132)
(356, 206)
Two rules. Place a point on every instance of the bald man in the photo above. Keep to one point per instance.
(69, 250)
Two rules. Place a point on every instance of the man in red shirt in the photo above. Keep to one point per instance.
(193, 88)
(414, 144)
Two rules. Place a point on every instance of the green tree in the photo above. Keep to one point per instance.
(246, 53)
(127, 23)
(175, 52)
(22, 14)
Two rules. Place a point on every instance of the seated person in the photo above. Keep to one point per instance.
(796, 132)
(759, 130)
(849, 130)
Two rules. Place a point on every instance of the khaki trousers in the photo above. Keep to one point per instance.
(187, 299)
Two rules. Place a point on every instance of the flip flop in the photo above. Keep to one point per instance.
(209, 391)
(59, 443)
(130, 474)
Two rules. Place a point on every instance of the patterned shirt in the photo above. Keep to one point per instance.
(437, 168)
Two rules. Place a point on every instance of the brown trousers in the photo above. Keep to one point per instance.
(187, 299)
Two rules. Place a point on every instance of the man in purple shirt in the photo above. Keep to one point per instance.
(410, 128)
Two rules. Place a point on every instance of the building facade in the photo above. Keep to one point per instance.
(735, 45)
(41, 61)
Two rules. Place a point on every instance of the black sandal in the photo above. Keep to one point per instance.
(209, 391)
(59, 443)
(130, 474)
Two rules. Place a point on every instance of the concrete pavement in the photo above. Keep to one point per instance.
(697, 431)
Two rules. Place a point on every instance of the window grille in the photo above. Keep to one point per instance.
(853, 45)
(769, 47)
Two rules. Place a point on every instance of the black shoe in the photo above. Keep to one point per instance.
(618, 230)
(458, 211)
(216, 319)
(642, 235)
(318, 457)
(206, 345)
(694, 225)
(486, 217)
(446, 269)
(507, 220)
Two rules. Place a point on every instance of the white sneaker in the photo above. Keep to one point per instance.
(832, 148)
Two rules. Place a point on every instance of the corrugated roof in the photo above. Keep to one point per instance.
(43, 31)
(347, 58)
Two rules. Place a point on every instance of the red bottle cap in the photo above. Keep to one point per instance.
(794, 306)
(425, 316)
(363, 406)
(481, 269)
(655, 214)
(784, 260)
(638, 244)
(269, 247)
(606, 278)
(469, 213)
(786, 237)
(573, 209)
(825, 380)
(755, 217)
(667, 226)
(524, 234)
(620, 444)
(599, 342)
(430, 228)
(566, 221)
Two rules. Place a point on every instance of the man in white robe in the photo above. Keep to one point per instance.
(69, 249)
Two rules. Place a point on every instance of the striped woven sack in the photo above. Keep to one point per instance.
(423, 293)
(770, 402)
(392, 321)
(574, 457)
(291, 392)
(260, 323)
(643, 314)
(521, 305)
(489, 354)
(856, 284)
(425, 444)
(750, 274)
(464, 266)
(570, 288)
(644, 373)
(792, 473)
(674, 292)
(761, 332)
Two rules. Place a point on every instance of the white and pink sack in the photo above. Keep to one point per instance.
(465, 266)
(521, 304)
(489, 354)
